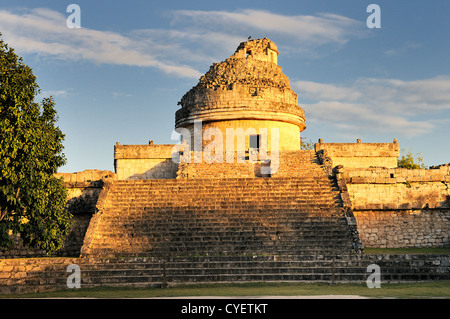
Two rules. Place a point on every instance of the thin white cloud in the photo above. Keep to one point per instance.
(320, 91)
(194, 40)
(192, 45)
(44, 32)
(306, 29)
(62, 93)
(399, 51)
(117, 95)
(382, 105)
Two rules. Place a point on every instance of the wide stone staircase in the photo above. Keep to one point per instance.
(221, 217)
(231, 216)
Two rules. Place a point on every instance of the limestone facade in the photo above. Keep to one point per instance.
(145, 161)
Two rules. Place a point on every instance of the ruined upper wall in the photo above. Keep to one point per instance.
(85, 177)
(147, 161)
(255, 69)
(398, 207)
(361, 154)
(143, 151)
(398, 188)
(258, 49)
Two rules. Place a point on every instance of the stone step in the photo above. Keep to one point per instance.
(297, 195)
(300, 213)
(227, 223)
(242, 200)
(177, 185)
(232, 233)
(150, 247)
(304, 185)
(230, 223)
(234, 251)
(183, 203)
(168, 184)
(305, 204)
(50, 274)
(244, 191)
(232, 192)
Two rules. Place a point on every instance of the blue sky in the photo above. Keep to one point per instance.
(119, 77)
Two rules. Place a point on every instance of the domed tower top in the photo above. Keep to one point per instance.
(248, 89)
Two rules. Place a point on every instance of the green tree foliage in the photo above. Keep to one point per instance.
(32, 200)
(407, 160)
(306, 145)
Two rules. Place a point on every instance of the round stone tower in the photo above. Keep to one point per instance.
(246, 91)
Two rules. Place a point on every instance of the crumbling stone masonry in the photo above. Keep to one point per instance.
(397, 207)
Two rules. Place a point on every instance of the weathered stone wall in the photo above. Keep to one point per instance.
(258, 49)
(404, 228)
(361, 154)
(146, 168)
(144, 161)
(86, 176)
(19, 250)
(282, 164)
(216, 170)
(240, 101)
(397, 207)
(398, 188)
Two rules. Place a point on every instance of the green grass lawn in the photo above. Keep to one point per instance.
(433, 289)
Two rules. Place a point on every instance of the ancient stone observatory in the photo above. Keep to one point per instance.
(246, 91)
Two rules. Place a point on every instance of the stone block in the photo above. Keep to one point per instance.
(436, 178)
(390, 206)
(405, 206)
(358, 180)
(400, 180)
